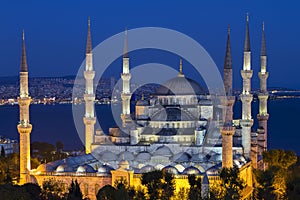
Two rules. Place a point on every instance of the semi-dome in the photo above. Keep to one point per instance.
(191, 170)
(143, 156)
(147, 168)
(163, 151)
(180, 85)
(170, 169)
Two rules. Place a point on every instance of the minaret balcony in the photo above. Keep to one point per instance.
(125, 77)
(89, 75)
(263, 117)
(263, 96)
(263, 75)
(89, 120)
(23, 129)
(24, 101)
(246, 74)
(246, 98)
(89, 97)
(246, 122)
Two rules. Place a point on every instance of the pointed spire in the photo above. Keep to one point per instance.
(263, 41)
(89, 40)
(228, 58)
(24, 67)
(125, 52)
(247, 37)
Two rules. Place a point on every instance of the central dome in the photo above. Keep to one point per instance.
(180, 85)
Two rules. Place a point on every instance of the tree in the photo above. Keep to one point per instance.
(107, 192)
(168, 186)
(160, 185)
(52, 189)
(59, 146)
(182, 194)
(122, 190)
(74, 191)
(264, 189)
(274, 182)
(280, 158)
(195, 187)
(230, 186)
(2, 152)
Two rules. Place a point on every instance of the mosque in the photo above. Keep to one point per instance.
(169, 131)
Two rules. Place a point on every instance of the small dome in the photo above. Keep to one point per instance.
(170, 169)
(105, 169)
(179, 167)
(191, 170)
(124, 164)
(45, 168)
(180, 85)
(85, 169)
(63, 168)
(107, 156)
(237, 163)
(213, 171)
(143, 157)
(147, 168)
(243, 160)
(163, 151)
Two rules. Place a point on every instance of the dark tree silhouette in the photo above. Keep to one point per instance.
(74, 191)
(107, 192)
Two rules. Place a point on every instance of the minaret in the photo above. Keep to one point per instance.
(263, 95)
(246, 122)
(89, 96)
(227, 130)
(126, 95)
(24, 126)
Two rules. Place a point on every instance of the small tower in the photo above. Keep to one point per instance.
(263, 95)
(126, 95)
(227, 130)
(246, 122)
(89, 96)
(24, 126)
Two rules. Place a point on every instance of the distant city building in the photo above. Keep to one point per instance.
(169, 131)
(9, 146)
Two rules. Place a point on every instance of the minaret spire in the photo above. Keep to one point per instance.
(89, 119)
(24, 67)
(126, 94)
(24, 126)
(228, 57)
(263, 96)
(89, 39)
(227, 130)
(125, 52)
(247, 36)
(246, 97)
(263, 41)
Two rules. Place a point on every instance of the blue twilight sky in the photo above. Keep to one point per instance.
(55, 32)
